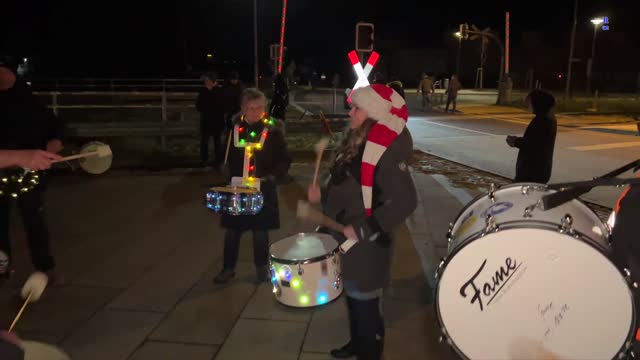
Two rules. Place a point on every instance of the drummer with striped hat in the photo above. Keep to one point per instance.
(371, 192)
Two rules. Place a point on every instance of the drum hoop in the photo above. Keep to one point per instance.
(626, 345)
(536, 224)
(314, 259)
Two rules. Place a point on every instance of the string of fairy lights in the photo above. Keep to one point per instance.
(18, 182)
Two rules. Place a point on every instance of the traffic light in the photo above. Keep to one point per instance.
(464, 31)
(364, 37)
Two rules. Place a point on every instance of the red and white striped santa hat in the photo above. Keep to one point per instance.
(389, 110)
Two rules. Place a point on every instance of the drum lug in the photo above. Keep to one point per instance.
(300, 271)
(490, 222)
(528, 210)
(337, 282)
(525, 190)
(566, 227)
(492, 192)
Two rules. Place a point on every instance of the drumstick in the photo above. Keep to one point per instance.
(226, 154)
(101, 151)
(31, 292)
(24, 306)
(306, 212)
(319, 147)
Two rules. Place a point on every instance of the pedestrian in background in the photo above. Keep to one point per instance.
(535, 158)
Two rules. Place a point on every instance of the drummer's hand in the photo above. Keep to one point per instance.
(9, 337)
(350, 233)
(313, 194)
(511, 140)
(35, 159)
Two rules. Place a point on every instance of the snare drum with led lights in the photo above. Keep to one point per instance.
(235, 200)
(305, 270)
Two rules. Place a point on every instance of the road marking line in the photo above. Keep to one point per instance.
(460, 128)
(606, 146)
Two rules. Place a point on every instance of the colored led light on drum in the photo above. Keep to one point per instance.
(322, 298)
(304, 299)
(285, 272)
(235, 203)
(295, 283)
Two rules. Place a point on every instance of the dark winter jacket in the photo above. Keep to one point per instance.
(535, 158)
(9, 351)
(210, 104)
(366, 265)
(24, 122)
(272, 162)
(280, 101)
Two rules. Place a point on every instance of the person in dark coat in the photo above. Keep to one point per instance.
(280, 102)
(27, 125)
(271, 162)
(210, 105)
(371, 193)
(535, 158)
(10, 348)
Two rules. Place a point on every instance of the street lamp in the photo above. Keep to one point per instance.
(458, 34)
(596, 24)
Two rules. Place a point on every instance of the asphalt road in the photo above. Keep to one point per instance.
(479, 141)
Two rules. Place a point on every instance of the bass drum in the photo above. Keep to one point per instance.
(520, 282)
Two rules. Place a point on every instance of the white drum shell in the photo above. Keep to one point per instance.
(306, 281)
(509, 206)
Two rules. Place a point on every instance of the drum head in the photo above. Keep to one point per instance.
(39, 351)
(303, 246)
(537, 285)
(94, 164)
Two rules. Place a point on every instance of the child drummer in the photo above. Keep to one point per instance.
(257, 157)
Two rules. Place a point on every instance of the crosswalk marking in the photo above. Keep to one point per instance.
(617, 145)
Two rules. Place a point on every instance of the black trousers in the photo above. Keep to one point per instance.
(232, 248)
(31, 207)
(366, 327)
(451, 99)
(205, 135)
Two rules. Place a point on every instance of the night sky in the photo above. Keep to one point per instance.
(147, 38)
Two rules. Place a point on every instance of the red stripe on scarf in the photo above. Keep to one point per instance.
(382, 135)
(368, 170)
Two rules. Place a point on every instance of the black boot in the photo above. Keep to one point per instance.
(344, 352)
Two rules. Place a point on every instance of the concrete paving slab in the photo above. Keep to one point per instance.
(263, 305)
(268, 339)
(110, 335)
(329, 328)
(205, 316)
(153, 350)
(162, 287)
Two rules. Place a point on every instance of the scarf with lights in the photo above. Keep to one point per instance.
(251, 141)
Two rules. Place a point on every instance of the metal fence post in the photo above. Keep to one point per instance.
(163, 138)
(55, 103)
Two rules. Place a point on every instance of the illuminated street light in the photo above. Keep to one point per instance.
(596, 24)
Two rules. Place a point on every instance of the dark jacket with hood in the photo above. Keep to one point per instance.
(366, 265)
(535, 158)
(272, 162)
(24, 122)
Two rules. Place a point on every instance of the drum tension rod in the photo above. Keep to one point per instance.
(492, 192)
(490, 222)
(566, 227)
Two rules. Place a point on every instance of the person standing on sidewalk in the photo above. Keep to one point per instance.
(255, 136)
(210, 105)
(452, 93)
(233, 89)
(426, 88)
(370, 192)
(26, 125)
(535, 157)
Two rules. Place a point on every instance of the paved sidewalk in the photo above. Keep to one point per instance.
(139, 253)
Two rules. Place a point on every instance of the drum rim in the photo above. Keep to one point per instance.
(626, 344)
(314, 259)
